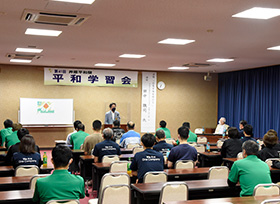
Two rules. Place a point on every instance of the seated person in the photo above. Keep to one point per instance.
(131, 137)
(60, 185)
(162, 126)
(242, 123)
(8, 124)
(182, 151)
(117, 131)
(148, 160)
(162, 146)
(15, 148)
(233, 145)
(78, 138)
(248, 133)
(94, 138)
(27, 154)
(249, 171)
(222, 126)
(75, 125)
(13, 138)
(192, 136)
(271, 146)
(107, 147)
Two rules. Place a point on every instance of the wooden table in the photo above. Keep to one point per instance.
(86, 165)
(208, 159)
(9, 170)
(16, 197)
(14, 183)
(126, 151)
(74, 167)
(212, 138)
(149, 192)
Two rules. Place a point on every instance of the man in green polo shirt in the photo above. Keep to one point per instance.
(60, 185)
(13, 138)
(249, 171)
(7, 131)
(163, 127)
(78, 138)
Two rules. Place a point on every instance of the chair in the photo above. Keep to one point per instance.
(118, 166)
(184, 164)
(220, 143)
(201, 140)
(131, 145)
(199, 131)
(33, 180)
(271, 201)
(218, 172)
(169, 141)
(269, 189)
(173, 191)
(115, 194)
(269, 161)
(110, 158)
(27, 170)
(137, 149)
(155, 176)
(240, 155)
(200, 148)
(63, 201)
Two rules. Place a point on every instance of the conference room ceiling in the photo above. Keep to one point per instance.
(117, 27)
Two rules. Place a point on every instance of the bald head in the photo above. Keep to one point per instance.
(107, 133)
(130, 125)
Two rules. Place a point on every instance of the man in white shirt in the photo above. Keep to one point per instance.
(112, 115)
(222, 126)
(76, 123)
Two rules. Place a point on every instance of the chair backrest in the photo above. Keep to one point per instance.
(240, 155)
(131, 145)
(169, 141)
(201, 139)
(184, 164)
(110, 158)
(220, 143)
(155, 176)
(137, 149)
(63, 201)
(269, 161)
(115, 194)
(118, 166)
(271, 201)
(33, 180)
(218, 172)
(173, 191)
(266, 190)
(26, 170)
(198, 131)
(118, 141)
(200, 148)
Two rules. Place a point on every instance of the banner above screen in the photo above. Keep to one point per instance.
(90, 77)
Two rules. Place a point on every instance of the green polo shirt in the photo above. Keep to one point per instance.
(4, 133)
(166, 131)
(250, 172)
(78, 138)
(192, 137)
(11, 139)
(59, 186)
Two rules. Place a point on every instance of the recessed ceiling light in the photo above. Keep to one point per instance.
(20, 60)
(32, 50)
(78, 1)
(178, 68)
(132, 56)
(220, 60)
(174, 41)
(43, 32)
(104, 65)
(274, 48)
(258, 13)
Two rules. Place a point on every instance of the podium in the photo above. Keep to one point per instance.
(122, 126)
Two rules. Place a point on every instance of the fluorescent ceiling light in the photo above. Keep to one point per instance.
(178, 68)
(274, 48)
(258, 13)
(43, 32)
(78, 1)
(104, 65)
(20, 60)
(32, 50)
(132, 56)
(174, 41)
(220, 60)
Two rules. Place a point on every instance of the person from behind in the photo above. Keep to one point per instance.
(117, 131)
(192, 136)
(131, 137)
(222, 126)
(182, 151)
(112, 115)
(233, 145)
(248, 133)
(162, 126)
(78, 138)
(60, 185)
(75, 124)
(147, 160)
(94, 138)
(107, 147)
(27, 154)
(13, 138)
(8, 129)
(242, 123)
(162, 146)
(249, 171)
(271, 146)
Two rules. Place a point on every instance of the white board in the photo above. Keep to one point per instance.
(42, 111)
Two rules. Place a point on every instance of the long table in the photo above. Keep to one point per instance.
(14, 183)
(208, 159)
(15, 197)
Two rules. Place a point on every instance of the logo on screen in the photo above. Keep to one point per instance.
(44, 107)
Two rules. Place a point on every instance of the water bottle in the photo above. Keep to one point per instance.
(202, 130)
(45, 160)
(208, 147)
(128, 166)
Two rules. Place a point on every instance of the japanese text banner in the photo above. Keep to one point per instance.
(90, 77)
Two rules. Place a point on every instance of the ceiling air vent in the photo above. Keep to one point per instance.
(23, 56)
(53, 18)
(196, 65)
